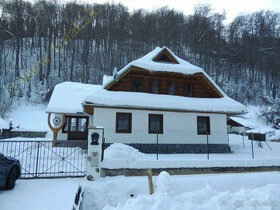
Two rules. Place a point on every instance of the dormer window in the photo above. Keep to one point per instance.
(137, 85)
(155, 86)
(172, 88)
(188, 89)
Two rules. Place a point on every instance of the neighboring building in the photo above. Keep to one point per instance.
(158, 97)
(239, 125)
(4, 129)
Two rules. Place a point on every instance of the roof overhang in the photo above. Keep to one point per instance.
(94, 105)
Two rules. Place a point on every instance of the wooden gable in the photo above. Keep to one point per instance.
(201, 86)
(165, 56)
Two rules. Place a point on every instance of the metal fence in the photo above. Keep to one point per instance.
(40, 160)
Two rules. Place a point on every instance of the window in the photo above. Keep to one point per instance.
(155, 86)
(137, 85)
(188, 89)
(156, 123)
(123, 122)
(172, 90)
(75, 124)
(203, 125)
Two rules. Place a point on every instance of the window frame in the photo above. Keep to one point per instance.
(134, 86)
(129, 130)
(68, 119)
(161, 124)
(169, 88)
(152, 83)
(208, 127)
(191, 89)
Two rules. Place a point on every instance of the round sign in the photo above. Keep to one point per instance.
(56, 121)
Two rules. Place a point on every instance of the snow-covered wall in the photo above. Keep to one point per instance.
(178, 127)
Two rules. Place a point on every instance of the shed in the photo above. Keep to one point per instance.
(239, 125)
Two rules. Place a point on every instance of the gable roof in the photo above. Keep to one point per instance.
(147, 62)
(67, 97)
(153, 101)
(244, 122)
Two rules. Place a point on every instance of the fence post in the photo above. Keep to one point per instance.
(37, 159)
(207, 147)
(157, 144)
(252, 149)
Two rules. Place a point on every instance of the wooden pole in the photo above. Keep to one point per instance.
(55, 130)
(150, 180)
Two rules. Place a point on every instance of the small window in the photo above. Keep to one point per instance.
(155, 86)
(188, 89)
(75, 124)
(137, 85)
(203, 125)
(123, 122)
(172, 90)
(156, 123)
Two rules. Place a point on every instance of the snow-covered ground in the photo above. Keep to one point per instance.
(29, 117)
(215, 191)
(43, 194)
(212, 191)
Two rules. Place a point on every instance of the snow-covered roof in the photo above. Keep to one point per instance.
(153, 101)
(3, 124)
(67, 97)
(146, 62)
(106, 78)
(244, 122)
(261, 130)
(165, 102)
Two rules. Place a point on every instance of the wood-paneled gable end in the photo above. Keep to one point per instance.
(201, 87)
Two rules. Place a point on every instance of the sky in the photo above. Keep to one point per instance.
(232, 7)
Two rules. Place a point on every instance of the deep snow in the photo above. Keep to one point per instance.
(204, 192)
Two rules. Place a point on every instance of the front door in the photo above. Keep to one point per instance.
(76, 127)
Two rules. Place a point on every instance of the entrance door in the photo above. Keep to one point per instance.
(76, 127)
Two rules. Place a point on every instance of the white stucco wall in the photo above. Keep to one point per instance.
(178, 127)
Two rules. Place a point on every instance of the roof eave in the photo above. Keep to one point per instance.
(162, 109)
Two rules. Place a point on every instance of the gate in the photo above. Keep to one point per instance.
(40, 160)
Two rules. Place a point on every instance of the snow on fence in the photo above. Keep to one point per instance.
(40, 160)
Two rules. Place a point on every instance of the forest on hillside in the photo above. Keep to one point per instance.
(45, 43)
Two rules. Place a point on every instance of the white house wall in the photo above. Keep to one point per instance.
(178, 127)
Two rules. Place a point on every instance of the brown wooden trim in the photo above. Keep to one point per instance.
(129, 123)
(208, 125)
(210, 84)
(89, 109)
(163, 110)
(161, 123)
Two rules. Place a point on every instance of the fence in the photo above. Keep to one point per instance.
(40, 160)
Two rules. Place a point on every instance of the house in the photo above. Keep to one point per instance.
(157, 103)
(239, 125)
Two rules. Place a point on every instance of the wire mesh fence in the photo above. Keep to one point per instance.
(40, 160)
